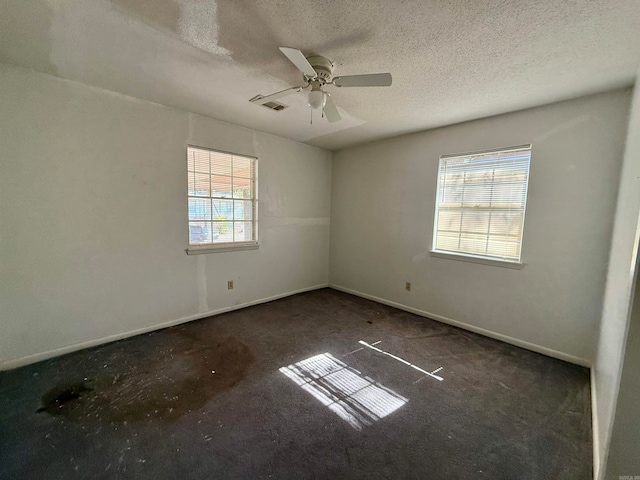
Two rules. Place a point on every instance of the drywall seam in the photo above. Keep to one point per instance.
(595, 438)
(295, 221)
(203, 305)
(465, 326)
(19, 362)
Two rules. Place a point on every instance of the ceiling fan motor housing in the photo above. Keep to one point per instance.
(323, 67)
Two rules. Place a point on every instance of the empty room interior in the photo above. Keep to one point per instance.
(319, 239)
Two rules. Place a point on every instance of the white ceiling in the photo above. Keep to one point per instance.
(451, 61)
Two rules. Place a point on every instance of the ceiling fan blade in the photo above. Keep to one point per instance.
(262, 100)
(299, 60)
(371, 80)
(330, 110)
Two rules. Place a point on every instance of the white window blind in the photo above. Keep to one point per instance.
(480, 204)
(222, 197)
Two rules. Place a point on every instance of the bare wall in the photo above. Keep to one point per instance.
(93, 225)
(623, 458)
(383, 196)
(618, 341)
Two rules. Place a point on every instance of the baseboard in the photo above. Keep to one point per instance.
(595, 429)
(465, 326)
(22, 361)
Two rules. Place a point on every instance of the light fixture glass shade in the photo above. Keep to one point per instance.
(317, 99)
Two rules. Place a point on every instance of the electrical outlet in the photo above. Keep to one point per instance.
(407, 286)
(230, 285)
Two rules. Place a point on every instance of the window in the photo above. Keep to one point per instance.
(480, 204)
(222, 198)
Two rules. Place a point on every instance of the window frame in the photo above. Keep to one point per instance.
(474, 257)
(203, 248)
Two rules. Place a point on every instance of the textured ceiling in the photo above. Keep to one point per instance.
(451, 60)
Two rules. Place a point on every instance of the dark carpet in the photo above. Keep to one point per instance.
(285, 390)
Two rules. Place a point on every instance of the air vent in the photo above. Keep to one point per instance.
(270, 105)
(274, 106)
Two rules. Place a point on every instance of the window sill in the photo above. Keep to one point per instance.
(483, 261)
(222, 247)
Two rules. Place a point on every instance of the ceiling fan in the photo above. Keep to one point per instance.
(317, 72)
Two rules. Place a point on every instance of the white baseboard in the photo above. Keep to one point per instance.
(487, 333)
(19, 362)
(595, 429)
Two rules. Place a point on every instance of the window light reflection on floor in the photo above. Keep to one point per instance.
(352, 396)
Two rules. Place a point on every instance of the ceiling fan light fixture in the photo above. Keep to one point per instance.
(317, 99)
(317, 73)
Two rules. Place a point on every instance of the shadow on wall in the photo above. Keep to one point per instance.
(28, 25)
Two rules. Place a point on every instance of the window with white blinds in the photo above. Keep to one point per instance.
(222, 197)
(480, 203)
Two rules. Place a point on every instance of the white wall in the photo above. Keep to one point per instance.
(382, 222)
(623, 457)
(93, 225)
(617, 301)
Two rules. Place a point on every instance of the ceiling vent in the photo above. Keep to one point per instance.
(270, 105)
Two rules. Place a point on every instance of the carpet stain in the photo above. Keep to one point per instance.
(163, 385)
(59, 400)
